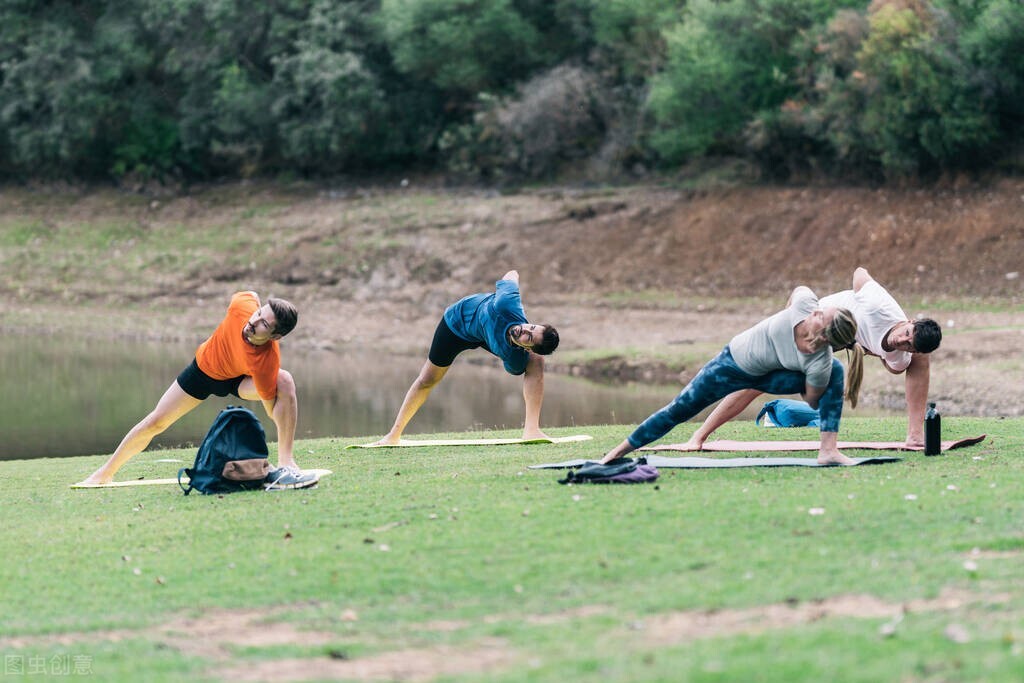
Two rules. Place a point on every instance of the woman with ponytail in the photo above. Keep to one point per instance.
(883, 330)
(788, 353)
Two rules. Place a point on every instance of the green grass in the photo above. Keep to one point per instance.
(464, 549)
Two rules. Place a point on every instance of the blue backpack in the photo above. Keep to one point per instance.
(785, 412)
(232, 457)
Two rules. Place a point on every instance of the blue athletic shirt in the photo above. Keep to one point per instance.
(485, 318)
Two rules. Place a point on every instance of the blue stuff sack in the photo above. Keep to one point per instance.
(232, 457)
(785, 412)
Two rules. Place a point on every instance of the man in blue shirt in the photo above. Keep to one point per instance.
(497, 323)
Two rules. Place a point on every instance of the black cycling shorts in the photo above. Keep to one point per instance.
(198, 384)
(447, 345)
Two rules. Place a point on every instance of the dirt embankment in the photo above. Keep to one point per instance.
(666, 276)
(654, 277)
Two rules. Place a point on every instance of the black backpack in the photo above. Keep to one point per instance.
(618, 471)
(232, 457)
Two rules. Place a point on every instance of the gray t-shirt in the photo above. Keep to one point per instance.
(770, 344)
(876, 312)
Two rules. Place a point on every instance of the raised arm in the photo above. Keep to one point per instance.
(861, 277)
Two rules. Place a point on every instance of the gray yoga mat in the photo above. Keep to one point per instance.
(705, 463)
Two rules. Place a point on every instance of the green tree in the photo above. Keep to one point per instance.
(629, 34)
(461, 46)
(53, 108)
(923, 110)
(995, 44)
(727, 61)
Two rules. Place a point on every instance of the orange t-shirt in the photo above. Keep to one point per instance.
(226, 354)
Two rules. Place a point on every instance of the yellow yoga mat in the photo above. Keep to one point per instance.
(411, 443)
(154, 482)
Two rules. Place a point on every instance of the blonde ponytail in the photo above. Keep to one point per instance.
(841, 333)
(854, 373)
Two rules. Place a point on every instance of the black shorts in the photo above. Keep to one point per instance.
(198, 384)
(447, 345)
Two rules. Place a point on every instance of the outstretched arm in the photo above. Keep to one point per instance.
(861, 277)
(918, 376)
(533, 395)
(620, 451)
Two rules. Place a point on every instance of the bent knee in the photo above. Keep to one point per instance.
(285, 382)
(429, 380)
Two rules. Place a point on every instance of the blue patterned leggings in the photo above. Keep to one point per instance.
(719, 378)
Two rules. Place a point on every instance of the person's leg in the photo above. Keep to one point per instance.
(918, 376)
(172, 406)
(719, 378)
(533, 395)
(428, 378)
(730, 406)
(284, 410)
(830, 412)
(830, 406)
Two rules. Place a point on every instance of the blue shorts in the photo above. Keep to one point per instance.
(198, 384)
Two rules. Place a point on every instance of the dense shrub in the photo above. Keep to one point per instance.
(555, 119)
(53, 108)
(994, 43)
(727, 61)
(924, 109)
(883, 91)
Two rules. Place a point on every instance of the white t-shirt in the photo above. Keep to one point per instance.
(770, 344)
(876, 312)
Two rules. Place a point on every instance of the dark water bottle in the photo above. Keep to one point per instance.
(932, 431)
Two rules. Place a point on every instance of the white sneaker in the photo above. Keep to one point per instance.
(289, 478)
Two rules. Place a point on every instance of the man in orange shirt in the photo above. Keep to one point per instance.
(241, 358)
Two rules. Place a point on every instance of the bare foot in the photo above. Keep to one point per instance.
(537, 434)
(94, 479)
(833, 457)
(914, 442)
(387, 440)
(694, 444)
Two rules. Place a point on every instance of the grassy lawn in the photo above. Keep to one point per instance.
(460, 564)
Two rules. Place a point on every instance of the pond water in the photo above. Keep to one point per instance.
(64, 397)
